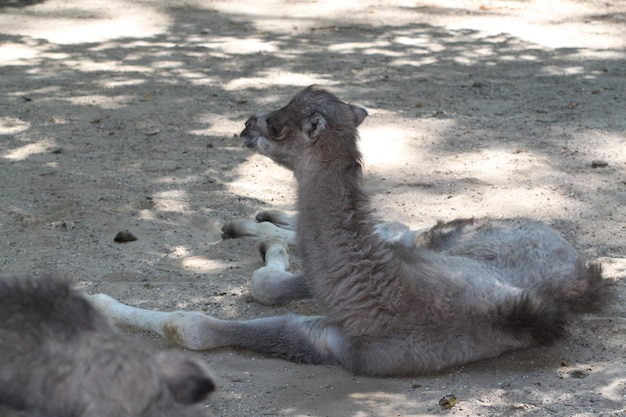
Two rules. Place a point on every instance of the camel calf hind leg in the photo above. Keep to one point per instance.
(271, 224)
(278, 218)
(259, 231)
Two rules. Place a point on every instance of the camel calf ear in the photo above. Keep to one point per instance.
(188, 381)
(360, 113)
(314, 125)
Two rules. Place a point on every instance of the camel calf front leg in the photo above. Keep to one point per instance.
(299, 338)
(273, 284)
(190, 329)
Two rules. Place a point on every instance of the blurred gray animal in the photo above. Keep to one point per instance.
(394, 301)
(60, 357)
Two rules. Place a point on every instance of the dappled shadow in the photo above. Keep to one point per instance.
(18, 3)
(156, 112)
(134, 126)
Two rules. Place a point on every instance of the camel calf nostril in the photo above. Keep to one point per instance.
(251, 121)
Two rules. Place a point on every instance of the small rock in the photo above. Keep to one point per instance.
(448, 401)
(146, 204)
(599, 164)
(578, 374)
(68, 225)
(125, 236)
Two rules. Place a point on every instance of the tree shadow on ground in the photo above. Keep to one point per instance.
(154, 117)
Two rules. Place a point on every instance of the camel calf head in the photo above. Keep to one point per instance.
(313, 120)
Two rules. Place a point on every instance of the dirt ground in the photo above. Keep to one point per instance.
(123, 115)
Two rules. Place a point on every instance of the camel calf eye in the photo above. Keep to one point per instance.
(274, 131)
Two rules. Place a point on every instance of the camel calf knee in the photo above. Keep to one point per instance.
(273, 284)
(260, 231)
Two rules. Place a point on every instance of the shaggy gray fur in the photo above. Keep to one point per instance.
(60, 357)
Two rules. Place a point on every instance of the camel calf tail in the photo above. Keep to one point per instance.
(542, 313)
(589, 293)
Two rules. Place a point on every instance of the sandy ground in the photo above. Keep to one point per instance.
(122, 115)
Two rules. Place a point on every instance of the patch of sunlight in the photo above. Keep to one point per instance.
(147, 215)
(527, 57)
(541, 33)
(195, 77)
(127, 45)
(426, 60)
(614, 390)
(497, 167)
(351, 46)
(201, 264)
(193, 264)
(104, 66)
(238, 46)
(104, 102)
(87, 22)
(437, 47)
(464, 60)
(558, 70)
(523, 202)
(389, 404)
(614, 266)
(382, 52)
(172, 200)
(16, 53)
(609, 145)
(412, 41)
(370, 48)
(386, 147)
(470, 57)
(278, 78)
(260, 178)
(178, 252)
(12, 125)
(120, 83)
(23, 152)
(296, 9)
(218, 125)
(167, 64)
(490, 165)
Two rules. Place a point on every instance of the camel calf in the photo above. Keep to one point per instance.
(60, 357)
(393, 301)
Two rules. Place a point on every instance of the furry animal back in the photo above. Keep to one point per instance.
(61, 357)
